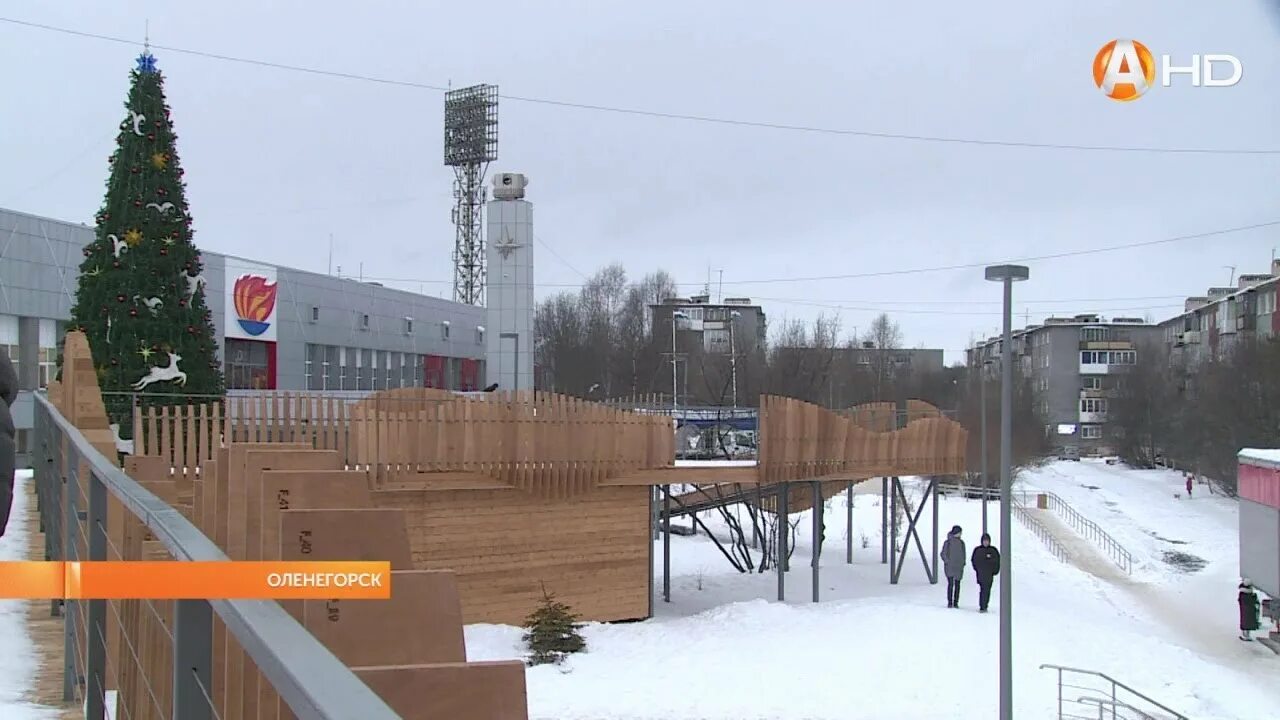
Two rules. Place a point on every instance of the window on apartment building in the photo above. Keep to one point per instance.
(479, 335)
(331, 368)
(1267, 302)
(408, 326)
(1092, 383)
(364, 321)
(1093, 334)
(716, 342)
(1093, 405)
(1091, 432)
(315, 313)
(444, 330)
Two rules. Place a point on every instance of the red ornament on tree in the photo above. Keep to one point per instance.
(151, 136)
(135, 169)
(133, 312)
(191, 329)
(182, 302)
(137, 203)
(111, 159)
(115, 263)
(120, 298)
(164, 251)
(88, 252)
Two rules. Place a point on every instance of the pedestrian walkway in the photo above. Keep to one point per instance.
(1082, 553)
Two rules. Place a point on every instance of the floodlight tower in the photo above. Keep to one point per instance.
(470, 144)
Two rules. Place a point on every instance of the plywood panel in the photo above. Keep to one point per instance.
(591, 549)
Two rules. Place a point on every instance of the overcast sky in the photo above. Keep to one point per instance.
(277, 160)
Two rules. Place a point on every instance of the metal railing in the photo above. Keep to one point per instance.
(1106, 698)
(305, 674)
(1056, 548)
(1090, 530)
(1019, 510)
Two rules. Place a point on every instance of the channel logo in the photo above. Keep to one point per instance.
(1124, 70)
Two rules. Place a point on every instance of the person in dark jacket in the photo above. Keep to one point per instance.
(953, 555)
(8, 443)
(1249, 620)
(986, 565)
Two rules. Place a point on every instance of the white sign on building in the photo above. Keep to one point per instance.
(251, 292)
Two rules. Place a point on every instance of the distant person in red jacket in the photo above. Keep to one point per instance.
(1188, 486)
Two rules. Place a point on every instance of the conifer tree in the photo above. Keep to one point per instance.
(140, 298)
(552, 632)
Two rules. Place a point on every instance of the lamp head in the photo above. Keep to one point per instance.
(1014, 273)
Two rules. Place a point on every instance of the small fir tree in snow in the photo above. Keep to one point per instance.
(552, 632)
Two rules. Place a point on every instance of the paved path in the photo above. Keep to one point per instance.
(1149, 601)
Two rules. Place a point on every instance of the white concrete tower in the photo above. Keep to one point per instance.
(509, 293)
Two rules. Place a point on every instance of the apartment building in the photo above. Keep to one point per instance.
(1213, 323)
(734, 326)
(1074, 365)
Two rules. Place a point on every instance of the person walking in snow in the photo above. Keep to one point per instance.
(1249, 620)
(1188, 486)
(953, 557)
(986, 565)
(8, 445)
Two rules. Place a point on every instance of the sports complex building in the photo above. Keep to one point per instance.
(320, 333)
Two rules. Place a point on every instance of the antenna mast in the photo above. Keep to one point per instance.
(470, 144)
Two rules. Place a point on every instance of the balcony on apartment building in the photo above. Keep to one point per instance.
(1106, 362)
(1093, 410)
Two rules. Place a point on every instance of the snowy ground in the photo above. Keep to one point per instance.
(17, 655)
(722, 649)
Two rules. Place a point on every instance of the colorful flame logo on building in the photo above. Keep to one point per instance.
(254, 298)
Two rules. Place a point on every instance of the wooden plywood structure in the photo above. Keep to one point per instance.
(259, 501)
(517, 493)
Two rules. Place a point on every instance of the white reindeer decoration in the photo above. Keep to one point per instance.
(153, 303)
(193, 284)
(122, 446)
(117, 245)
(137, 119)
(164, 374)
(162, 209)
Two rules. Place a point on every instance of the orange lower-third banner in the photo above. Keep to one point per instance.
(226, 580)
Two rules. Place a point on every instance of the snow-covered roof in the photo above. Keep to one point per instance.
(1255, 455)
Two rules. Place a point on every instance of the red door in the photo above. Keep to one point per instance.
(433, 374)
(469, 374)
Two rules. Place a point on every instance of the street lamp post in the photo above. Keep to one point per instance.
(982, 392)
(733, 360)
(675, 397)
(1007, 275)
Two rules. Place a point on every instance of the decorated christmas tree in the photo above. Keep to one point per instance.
(141, 298)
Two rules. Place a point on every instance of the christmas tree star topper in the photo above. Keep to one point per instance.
(146, 62)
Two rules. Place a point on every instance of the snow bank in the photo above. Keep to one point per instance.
(17, 654)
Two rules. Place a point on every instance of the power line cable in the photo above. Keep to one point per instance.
(706, 119)
(936, 268)
(361, 304)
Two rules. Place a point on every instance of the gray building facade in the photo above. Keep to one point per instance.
(1074, 366)
(321, 332)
